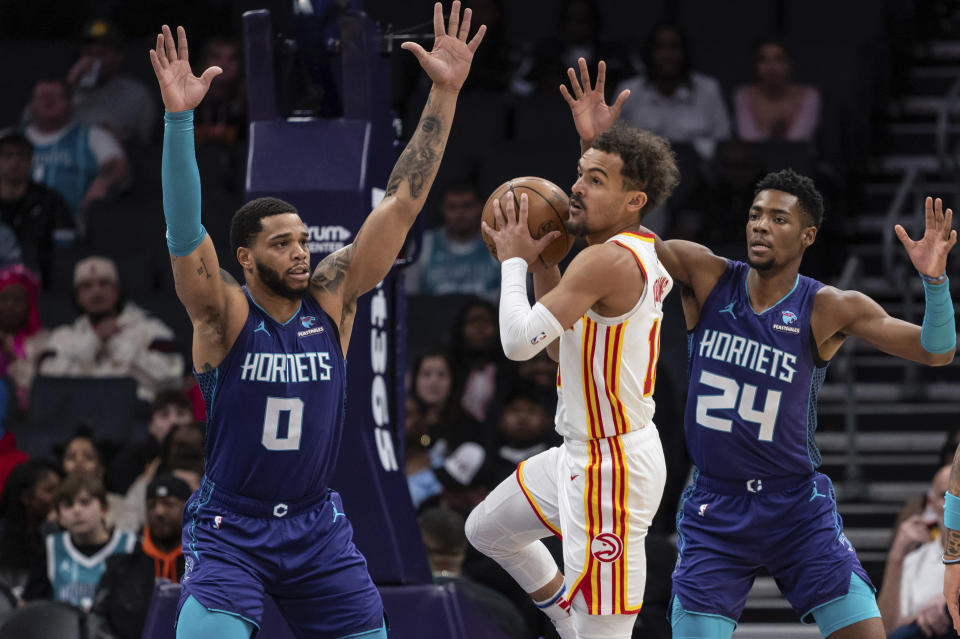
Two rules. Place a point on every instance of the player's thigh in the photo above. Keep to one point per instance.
(604, 626)
(813, 562)
(867, 629)
(695, 625)
(716, 561)
(852, 616)
(523, 507)
(197, 622)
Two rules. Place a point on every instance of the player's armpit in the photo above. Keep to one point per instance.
(851, 313)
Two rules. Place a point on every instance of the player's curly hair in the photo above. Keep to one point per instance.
(800, 186)
(246, 221)
(649, 164)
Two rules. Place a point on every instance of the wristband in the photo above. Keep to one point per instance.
(951, 511)
(938, 333)
(933, 280)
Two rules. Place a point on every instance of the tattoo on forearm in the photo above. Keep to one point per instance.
(330, 272)
(951, 546)
(418, 162)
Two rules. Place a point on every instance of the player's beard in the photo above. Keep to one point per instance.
(272, 280)
(760, 266)
(577, 228)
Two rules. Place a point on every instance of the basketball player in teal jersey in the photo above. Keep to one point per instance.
(760, 338)
(270, 359)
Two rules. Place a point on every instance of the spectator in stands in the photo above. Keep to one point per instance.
(672, 100)
(181, 456)
(446, 544)
(34, 212)
(82, 162)
(123, 595)
(25, 507)
(466, 476)
(10, 457)
(453, 258)
(10, 251)
(112, 337)
(22, 338)
(580, 26)
(168, 409)
(105, 96)
(478, 361)
(82, 455)
(775, 107)
(448, 425)
(222, 116)
(913, 578)
(421, 479)
(76, 558)
(524, 429)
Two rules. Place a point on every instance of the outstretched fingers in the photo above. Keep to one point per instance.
(601, 77)
(477, 38)
(438, 28)
(454, 23)
(465, 25)
(168, 45)
(584, 74)
(903, 237)
(618, 104)
(575, 83)
(182, 53)
(159, 53)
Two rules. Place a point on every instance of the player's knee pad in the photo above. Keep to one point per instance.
(698, 625)
(476, 531)
(858, 604)
(196, 622)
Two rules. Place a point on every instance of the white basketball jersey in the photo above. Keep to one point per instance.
(608, 365)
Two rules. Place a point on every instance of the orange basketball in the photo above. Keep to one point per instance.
(546, 212)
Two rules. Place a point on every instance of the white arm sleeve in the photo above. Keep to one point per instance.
(524, 331)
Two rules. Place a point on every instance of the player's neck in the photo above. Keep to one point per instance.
(603, 236)
(278, 307)
(766, 288)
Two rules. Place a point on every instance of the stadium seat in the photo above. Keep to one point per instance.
(43, 620)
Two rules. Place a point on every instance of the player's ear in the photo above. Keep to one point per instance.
(636, 201)
(808, 235)
(245, 257)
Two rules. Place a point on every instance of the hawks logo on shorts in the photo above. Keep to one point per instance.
(606, 547)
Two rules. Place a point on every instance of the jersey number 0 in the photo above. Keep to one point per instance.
(271, 438)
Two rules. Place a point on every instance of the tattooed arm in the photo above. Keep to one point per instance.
(951, 552)
(350, 272)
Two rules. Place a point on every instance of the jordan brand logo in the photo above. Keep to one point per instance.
(729, 309)
(816, 493)
(336, 513)
(262, 327)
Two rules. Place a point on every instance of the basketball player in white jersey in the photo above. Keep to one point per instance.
(599, 490)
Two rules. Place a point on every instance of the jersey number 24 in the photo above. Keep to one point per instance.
(727, 399)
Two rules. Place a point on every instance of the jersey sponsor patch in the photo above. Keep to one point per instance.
(310, 331)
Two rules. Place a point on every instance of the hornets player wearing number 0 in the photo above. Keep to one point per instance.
(760, 338)
(270, 358)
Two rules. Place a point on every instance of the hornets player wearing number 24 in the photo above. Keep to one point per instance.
(270, 359)
(760, 338)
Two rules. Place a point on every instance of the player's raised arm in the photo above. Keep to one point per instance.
(355, 269)
(850, 313)
(196, 270)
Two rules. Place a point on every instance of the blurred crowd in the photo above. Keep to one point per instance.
(90, 515)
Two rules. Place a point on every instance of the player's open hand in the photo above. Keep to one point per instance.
(448, 63)
(180, 89)
(929, 254)
(591, 114)
(512, 234)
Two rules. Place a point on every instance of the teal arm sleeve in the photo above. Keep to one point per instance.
(181, 184)
(938, 333)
